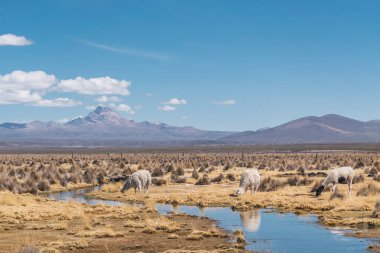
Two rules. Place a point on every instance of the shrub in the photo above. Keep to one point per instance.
(157, 172)
(270, 184)
(89, 176)
(159, 181)
(359, 164)
(227, 166)
(358, 179)
(301, 170)
(373, 171)
(180, 171)
(297, 181)
(368, 190)
(195, 174)
(231, 177)
(43, 186)
(203, 181)
(337, 195)
(218, 179)
(376, 210)
(377, 178)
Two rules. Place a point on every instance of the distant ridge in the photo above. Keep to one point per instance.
(330, 128)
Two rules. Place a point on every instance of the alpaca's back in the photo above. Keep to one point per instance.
(142, 176)
(250, 178)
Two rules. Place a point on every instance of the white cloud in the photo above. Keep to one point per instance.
(57, 102)
(104, 99)
(139, 53)
(124, 108)
(64, 120)
(166, 108)
(175, 101)
(13, 40)
(95, 86)
(24, 87)
(149, 94)
(91, 107)
(225, 102)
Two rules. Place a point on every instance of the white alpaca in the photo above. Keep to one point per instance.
(138, 180)
(250, 179)
(338, 176)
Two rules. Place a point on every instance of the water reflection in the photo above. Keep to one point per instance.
(251, 220)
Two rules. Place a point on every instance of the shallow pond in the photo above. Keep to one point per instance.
(264, 229)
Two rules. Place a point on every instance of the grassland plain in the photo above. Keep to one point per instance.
(202, 179)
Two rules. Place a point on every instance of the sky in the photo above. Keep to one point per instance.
(215, 65)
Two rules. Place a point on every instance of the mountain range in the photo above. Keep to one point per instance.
(104, 127)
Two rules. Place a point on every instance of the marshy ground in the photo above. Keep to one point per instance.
(202, 179)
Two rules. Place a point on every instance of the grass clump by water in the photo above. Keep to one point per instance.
(28, 249)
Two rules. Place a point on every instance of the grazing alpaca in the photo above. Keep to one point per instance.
(250, 179)
(338, 176)
(139, 179)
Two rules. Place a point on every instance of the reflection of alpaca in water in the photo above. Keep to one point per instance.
(251, 220)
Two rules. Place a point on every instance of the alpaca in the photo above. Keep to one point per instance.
(139, 179)
(250, 179)
(338, 176)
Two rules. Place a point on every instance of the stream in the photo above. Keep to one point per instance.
(265, 229)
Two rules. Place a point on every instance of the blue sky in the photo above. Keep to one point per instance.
(226, 65)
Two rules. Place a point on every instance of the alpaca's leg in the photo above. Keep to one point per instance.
(256, 188)
(349, 188)
(334, 188)
(139, 187)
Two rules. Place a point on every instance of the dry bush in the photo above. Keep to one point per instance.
(203, 180)
(231, 177)
(373, 171)
(358, 179)
(218, 179)
(227, 166)
(240, 239)
(180, 171)
(270, 184)
(376, 210)
(368, 190)
(195, 174)
(159, 181)
(43, 186)
(298, 181)
(359, 164)
(338, 195)
(157, 172)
